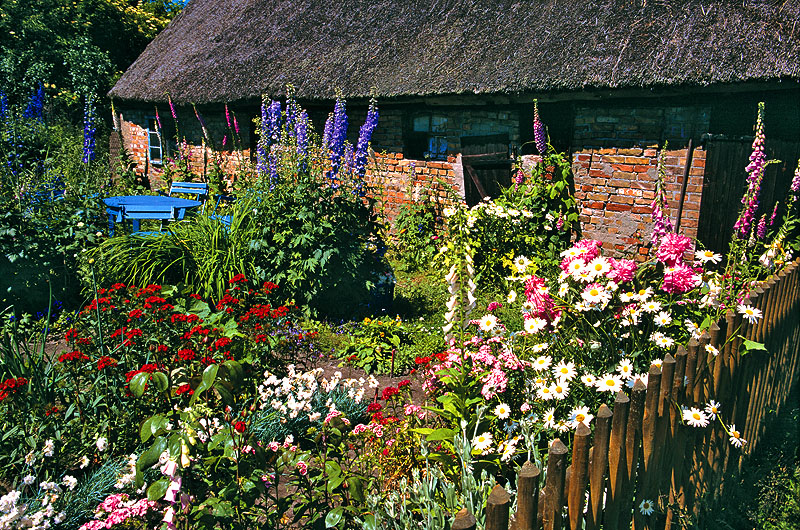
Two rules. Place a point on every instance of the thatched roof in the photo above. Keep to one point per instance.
(231, 50)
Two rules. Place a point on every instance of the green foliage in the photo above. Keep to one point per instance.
(417, 229)
(75, 48)
(536, 216)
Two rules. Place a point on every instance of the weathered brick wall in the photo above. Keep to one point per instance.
(616, 186)
(398, 181)
(604, 126)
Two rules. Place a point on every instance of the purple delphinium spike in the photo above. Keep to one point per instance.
(327, 132)
(89, 129)
(262, 150)
(364, 137)
(755, 174)
(301, 133)
(35, 107)
(539, 133)
(662, 224)
(274, 122)
(338, 137)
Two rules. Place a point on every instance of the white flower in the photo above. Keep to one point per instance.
(509, 449)
(646, 507)
(712, 409)
(560, 389)
(542, 346)
(564, 370)
(542, 362)
(695, 417)
(49, 448)
(102, 444)
(534, 325)
(692, 328)
(512, 296)
(712, 350)
(651, 307)
(549, 418)
(502, 411)
(706, 256)
(663, 319)
(627, 297)
(609, 383)
(638, 377)
(656, 362)
(750, 313)
(482, 442)
(589, 380)
(521, 264)
(69, 481)
(644, 294)
(662, 340)
(625, 369)
(488, 322)
(579, 415)
(545, 393)
(599, 266)
(28, 480)
(84, 461)
(314, 416)
(30, 458)
(736, 437)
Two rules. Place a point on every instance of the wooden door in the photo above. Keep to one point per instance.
(725, 181)
(487, 166)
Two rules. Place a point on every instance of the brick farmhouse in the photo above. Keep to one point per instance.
(455, 81)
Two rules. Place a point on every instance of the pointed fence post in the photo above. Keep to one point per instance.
(497, 506)
(464, 520)
(556, 475)
(527, 497)
(579, 477)
(598, 466)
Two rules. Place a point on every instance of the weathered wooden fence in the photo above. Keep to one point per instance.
(642, 453)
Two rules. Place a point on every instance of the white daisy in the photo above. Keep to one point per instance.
(656, 362)
(534, 325)
(488, 322)
(549, 418)
(750, 313)
(482, 442)
(638, 377)
(625, 369)
(644, 294)
(512, 296)
(695, 417)
(545, 393)
(542, 346)
(564, 370)
(560, 389)
(609, 383)
(521, 264)
(627, 297)
(589, 380)
(663, 319)
(599, 266)
(580, 415)
(712, 350)
(563, 289)
(575, 267)
(542, 362)
(651, 307)
(646, 507)
(706, 256)
(712, 409)
(692, 328)
(502, 411)
(736, 437)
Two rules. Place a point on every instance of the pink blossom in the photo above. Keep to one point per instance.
(622, 270)
(494, 305)
(672, 248)
(537, 294)
(302, 468)
(680, 279)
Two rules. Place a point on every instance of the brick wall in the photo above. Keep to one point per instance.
(605, 126)
(615, 187)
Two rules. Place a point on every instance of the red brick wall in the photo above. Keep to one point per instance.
(615, 187)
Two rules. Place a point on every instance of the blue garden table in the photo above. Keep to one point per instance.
(138, 207)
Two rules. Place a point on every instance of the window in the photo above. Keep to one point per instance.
(154, 149)
(426, 138)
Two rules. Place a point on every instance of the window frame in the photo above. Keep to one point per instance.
(155, 130)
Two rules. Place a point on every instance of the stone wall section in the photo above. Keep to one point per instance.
(616, 186)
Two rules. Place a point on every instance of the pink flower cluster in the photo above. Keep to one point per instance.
(622, 270)
(537, 294)
(672, 248)
(117, 509)
(755, 174)
(587, 250)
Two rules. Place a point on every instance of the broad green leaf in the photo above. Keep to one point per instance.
(138, 383)
(150, 457)
(369, 522)
(751, 345)
(441, 434)
(333, 517)
(158, 489)
(160, 381)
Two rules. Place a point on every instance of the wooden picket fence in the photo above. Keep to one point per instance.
(641, 451)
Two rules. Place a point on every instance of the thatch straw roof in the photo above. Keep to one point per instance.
(231, 50)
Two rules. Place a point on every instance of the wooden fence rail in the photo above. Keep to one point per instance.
(642, 454)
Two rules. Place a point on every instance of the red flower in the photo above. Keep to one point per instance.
(374, 407)
(186, 354)
(71, 334)
(239, 278)
(404, 382)
(195, 296)
(72, 356)
(240, 426)
(389, 391)
(51, 411)
(422, 360)
(105, 361)
(184, 389)
(117, 286)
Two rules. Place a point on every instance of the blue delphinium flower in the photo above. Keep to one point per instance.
(337, 137)
(89, 129)
(35, 107)
(274, 122)
(364, 137)
(301, 133)
(262, 150)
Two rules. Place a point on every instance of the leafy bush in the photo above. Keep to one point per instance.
(417, 230)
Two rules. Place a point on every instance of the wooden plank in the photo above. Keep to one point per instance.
(644, 489)
(527, 497)
(579, 478)
(556, 475)
(464, 520)
(598, 466)
(615, 502)
(497, 506)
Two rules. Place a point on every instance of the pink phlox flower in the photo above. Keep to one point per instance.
(494, 382)
(537, 294)
(494, 305)
(332, 414)
(672, 248)
(589, 248)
